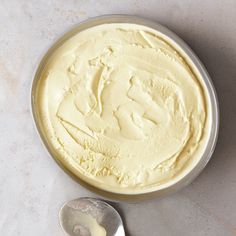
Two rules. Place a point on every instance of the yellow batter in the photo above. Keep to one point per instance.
(83, 224)
(122, 109)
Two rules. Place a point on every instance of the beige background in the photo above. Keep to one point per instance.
(33, 187)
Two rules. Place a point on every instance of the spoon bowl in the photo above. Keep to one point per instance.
(90, 217)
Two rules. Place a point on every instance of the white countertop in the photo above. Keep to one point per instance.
(33, 187)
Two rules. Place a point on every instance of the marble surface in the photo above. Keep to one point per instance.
(33, 187)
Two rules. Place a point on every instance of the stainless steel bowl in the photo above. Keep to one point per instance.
(191, 57)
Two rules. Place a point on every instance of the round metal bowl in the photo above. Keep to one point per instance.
(187, 53)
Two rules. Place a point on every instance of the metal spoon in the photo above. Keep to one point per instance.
(89, 217)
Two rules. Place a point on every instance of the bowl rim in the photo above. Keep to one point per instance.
(132, 19)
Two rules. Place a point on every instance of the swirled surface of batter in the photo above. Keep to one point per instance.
(123, 109)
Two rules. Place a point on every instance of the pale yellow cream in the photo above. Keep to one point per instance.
(83, 224)
(123, 109)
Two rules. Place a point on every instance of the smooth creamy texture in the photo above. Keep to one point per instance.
(83, 224)
(122, 109)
